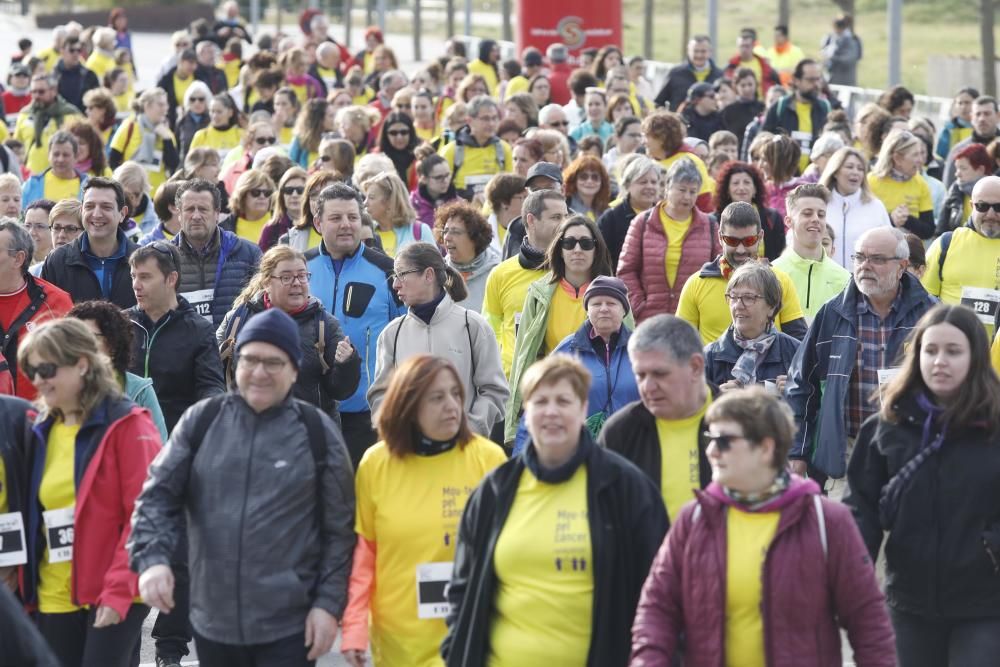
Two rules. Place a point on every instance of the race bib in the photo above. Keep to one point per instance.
(223, 152)
(59, 534)
(155, 164)
(803, 139)
(885, 376)
(982, 301)
(432, 589)
(12, 550)
(477, 183)
(201, 301)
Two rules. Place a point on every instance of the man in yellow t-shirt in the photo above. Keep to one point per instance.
(507, 284)
(61, 180)
(703, 298)
(662, 433)
(37, 122)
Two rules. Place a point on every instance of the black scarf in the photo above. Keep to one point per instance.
(425, 311)
(566, 470)
(428, 447)
(530, 257)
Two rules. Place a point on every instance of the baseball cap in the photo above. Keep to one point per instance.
(543, 170)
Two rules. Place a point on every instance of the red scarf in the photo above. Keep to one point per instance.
(727, 269)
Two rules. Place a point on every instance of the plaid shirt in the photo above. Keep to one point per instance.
(873, 338)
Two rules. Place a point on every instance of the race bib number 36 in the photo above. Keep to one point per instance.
(59, 534)
(432, 590)
(12, 551)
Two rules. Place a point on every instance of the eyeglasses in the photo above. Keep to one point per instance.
(744, 299)
(399, 275)
(559, 123)
(398, 133)
(74, 49)
(66, 229)
(293, 189)
(37, 227)
(45, 371)
(287, 279)
(723, 442)
(453, 231)
(570, 242)
(164, 248)
(487, 119)
(589, 176)
(735, 241)
(265, 141)
(983, 206)
(877, 260)
(260, 192)
(271, 364)
(196, 99)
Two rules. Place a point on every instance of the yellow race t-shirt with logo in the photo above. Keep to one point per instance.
(180, 88)
(478, 165)
(128, 138)
(544, 566)
(914, 193)
(314, 239)
(426, 134)
(971, 273)
(487, 71)
(803, 112)
(221, 141)
(748, 536)
(57, 189)
(37, 152)
(251, 229)
(57, 491)
(680, 472)
(566, 314)
(503, 302)
(410, 509)
(675, 230)
(285, 136)
(703, 304)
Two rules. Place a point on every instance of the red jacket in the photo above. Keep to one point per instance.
(769, 77)
(559, 81)
(641, 264)
(45, 302)
(805, 593)
(116, 445)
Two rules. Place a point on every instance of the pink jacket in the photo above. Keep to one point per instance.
(806, 593)
(641, 265)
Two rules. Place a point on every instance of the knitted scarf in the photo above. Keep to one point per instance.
(753, 501)
(745, 370)
(56, 111)
(145, 154)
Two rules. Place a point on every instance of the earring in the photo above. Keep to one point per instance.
(82, 373)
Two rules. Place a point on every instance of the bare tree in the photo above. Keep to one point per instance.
(685, 27)
(450, 13)
(784, 12)
(647, 29)
(989, 48)
(508, 34)
(416, 30)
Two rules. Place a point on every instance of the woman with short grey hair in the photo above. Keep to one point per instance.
(641, 181)
(751, 351)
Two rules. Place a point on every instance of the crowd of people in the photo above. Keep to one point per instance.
(507, 362)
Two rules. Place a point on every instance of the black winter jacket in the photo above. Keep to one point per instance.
(74, 82)
(679, 79)
(16, 418)
(953, 211)
(781, 115)
(937, 564)
(180, 355)
(701, 127)
(67, 269)
(322, 388)
(614, 224)
(627, 525)
(631, 432)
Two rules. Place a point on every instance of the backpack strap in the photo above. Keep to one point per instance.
(945, 243)
(472, 357)
(418, 230)
(821, 521)
(321, 340)
(501, 158)
(227, 349)
(209, 412)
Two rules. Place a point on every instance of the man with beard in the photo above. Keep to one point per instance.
(849, 352)
(703, 297)
(802, 114)
(962, 264)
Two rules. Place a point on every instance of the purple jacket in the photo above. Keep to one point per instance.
(805, 592)
(423, 205)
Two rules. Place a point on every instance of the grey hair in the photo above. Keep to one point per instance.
(65, 137)
(762, 280)
(480, 102)
(902, 247)
(387, 78)
(683, 171)
(827, 144)
(636, 169)
(20, 240)
(666, 333)
(543, 113)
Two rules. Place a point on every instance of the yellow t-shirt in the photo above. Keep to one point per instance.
(315, 238)
(479, 163)
(701, 75)
(57, 491)
(57, 189)
(301, 92)
(388, 238)
(501, 234)
(221, 141)
(485, 70)
(675, 230)
(37, 158)
(426, 134)
(4, 501)
(972, 262)
(914, 193)
(285, 136)
(410, 508)
(545, 582)
(100, 64)
(251, 229)
(232, 71)
(506, 289)
(707, 183)
(803, 111)
(748, 537)
(123, 102)
(129, 145)
(703, 304)
(180, 88)
(680, 473)
(566, 314)
(518, 84)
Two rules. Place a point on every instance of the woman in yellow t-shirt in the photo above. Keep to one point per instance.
(553, 308)
(387, 201)
(411, 490)
(91, 450)
(896, 181)
(727, 562)
(225, 128)
(422, 108)
(251, 204)
(553, 547)
(146, 138)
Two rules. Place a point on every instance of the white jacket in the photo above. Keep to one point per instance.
(850, 218)
(461, 336)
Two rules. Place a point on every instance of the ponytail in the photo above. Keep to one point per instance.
(454, 284)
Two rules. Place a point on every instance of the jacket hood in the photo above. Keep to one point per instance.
(465, 138)
(482, 264)
(797, 488)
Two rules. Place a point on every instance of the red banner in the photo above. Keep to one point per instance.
(582, 25)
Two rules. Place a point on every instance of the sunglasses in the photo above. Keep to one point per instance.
(723, 442)
(398, 133)
(983, 206)
(589, 176)
(734, 241)
(196, 99)
(293, 189)
(45, 371)
(260, 192)
(570, 242)
(265, 141)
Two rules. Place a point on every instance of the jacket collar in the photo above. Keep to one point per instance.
(913, 294)
(711, 269)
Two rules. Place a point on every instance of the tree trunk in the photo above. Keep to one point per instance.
(783, 12)
(685, 28)
(989, 48)
(647, 29)
(508, 34)
(347, 8)
(846, 6)
(416, 31)
(450, 14)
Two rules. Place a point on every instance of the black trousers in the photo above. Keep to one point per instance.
(358, 434)
(287, 652)
(172, 632)
(77, 643)
(923, 642)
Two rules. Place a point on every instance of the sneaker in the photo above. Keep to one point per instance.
(168, 662)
